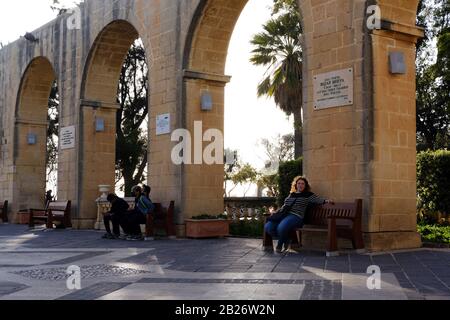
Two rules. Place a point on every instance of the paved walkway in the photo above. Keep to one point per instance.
(33, 265)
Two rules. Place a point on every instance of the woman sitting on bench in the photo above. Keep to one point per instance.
(294, 210)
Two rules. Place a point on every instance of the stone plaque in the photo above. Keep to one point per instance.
(333, 89)
(67, 138)
(163, 124)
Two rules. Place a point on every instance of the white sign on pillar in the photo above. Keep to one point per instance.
(163, 124)
(67, 138)
(333, 89)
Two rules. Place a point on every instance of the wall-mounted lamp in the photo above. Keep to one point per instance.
(207, 103)
(99, 124)
(31, 139)
(397, 63)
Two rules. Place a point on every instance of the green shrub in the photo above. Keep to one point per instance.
(433, 184)
(247, 228)
(434, 233)
(286, 174)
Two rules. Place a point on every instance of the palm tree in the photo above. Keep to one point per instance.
(278, 48)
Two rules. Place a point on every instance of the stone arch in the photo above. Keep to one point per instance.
(341, 144)
(99, 101)
(204, 59)
(105, 62)
(31, 120)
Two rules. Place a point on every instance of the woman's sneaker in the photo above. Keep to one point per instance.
(135, 238)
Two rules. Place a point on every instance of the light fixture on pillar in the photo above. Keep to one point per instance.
(31, 139)
(397, 63)
(99, 125)
(207, 103)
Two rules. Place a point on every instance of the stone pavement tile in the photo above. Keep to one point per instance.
(413, 295)
(206, 291)
(385, 259)
(95, 291)
(36, 258)
(445, 279)
(77, 258)
(212, 268)
(355, 288)
(317, 276)
(7, 287)
(322, 290)
(433, 297)
(185, 268)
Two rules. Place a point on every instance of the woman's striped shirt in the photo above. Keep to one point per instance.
(301, 202)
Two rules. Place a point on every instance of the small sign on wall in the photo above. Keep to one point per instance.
(67, 138)
(163, 124)
(333, 89)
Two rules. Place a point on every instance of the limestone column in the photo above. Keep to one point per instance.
(96, 159)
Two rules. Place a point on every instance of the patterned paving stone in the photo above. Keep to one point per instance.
(87, 272)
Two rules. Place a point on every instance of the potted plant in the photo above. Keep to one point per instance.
(208, 226)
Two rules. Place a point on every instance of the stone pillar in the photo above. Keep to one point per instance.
(392, 219)
(97, 158)
(30, 166)
(203, 193)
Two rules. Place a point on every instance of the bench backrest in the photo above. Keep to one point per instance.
(59, 206)
(318, 215)
(161, 212)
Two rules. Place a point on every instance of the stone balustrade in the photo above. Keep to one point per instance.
(247, 208)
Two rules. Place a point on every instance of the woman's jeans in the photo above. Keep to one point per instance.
(283, 229)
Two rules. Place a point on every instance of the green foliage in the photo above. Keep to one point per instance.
(52, 136)
(285, 5)
(271, 183)
(242, 174)
(247, 228)
(278, 48)
(433, 78)
(287, 172)
(132, 140)
(434, 233)
(433, 183)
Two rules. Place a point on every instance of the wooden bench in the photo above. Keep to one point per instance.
(339, 220)
(4, 212)
(55, 211)
(161, 218)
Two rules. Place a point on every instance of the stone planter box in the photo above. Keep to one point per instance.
(207, 228)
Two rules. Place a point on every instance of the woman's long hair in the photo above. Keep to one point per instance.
(296, 180)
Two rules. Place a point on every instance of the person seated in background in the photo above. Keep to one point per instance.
(138, 216)
(117, 216)
(147, 190)
(48, 198)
